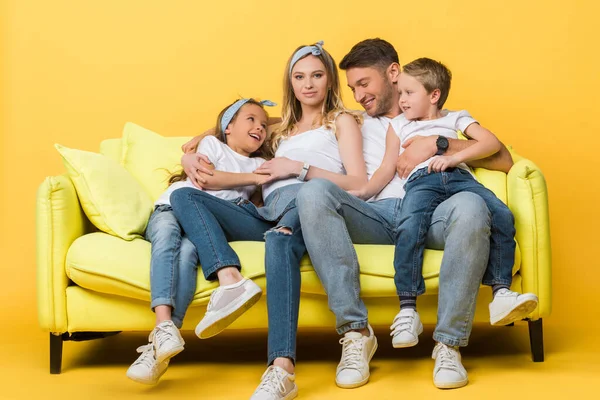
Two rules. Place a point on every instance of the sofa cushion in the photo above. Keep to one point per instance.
(110, 197)
(150, 157)
(107, 264)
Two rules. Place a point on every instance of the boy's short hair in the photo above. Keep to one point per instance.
(433, 75)
(375, 53)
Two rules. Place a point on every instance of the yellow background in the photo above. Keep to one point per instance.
(73, 72)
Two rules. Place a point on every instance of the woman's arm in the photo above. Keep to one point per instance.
(386, 170)
(486, 145)
(221, 180)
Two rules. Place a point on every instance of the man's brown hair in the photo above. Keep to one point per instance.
(433, 75)
(375, 53)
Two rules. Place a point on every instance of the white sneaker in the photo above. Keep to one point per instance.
(406, 328)
(227, 303)
(167, 341)
(276, 384)
(508, 306)
(146, 369)
(448, 372)
(357, 351)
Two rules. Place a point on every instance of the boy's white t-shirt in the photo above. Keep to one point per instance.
(224, 159)
(444, 126)
(317, 147)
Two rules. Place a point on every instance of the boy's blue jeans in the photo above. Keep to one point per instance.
(173, 264)
(424, 192)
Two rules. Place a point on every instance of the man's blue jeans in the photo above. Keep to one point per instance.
(332, 220)
(211, 222)
(173, 264)
(424, 192)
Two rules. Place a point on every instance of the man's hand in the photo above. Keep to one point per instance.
(194, 165)
(442, 163)
(192, 145)
(416, 150)
(280, 168)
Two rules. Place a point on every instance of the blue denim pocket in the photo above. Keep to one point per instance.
(416, 175)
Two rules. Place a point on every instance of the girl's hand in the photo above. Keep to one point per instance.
(442, 163)
(194, 165)
(263, 179)
(280, 168)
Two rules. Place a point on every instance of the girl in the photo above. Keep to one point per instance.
(234, 151)
(317, 138)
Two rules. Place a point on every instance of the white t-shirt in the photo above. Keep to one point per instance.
(374, 130)
(444, 126)
(224, 159)
(318, 147)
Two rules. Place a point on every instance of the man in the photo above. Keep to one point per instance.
(460, 226)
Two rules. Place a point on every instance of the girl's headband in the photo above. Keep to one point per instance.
(234, 108)
(315, 50)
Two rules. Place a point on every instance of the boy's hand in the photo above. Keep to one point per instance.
(442, 163)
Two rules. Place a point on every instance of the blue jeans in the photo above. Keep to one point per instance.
(424, 192)
(173, 264)
(211, 222)
(332, 220)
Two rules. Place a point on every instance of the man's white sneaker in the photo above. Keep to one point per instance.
(227, 303)
(357, 351)
(167, 341)
(146, 369)
(276, 384)
(406, 328)
(508, 306)
(448, 372)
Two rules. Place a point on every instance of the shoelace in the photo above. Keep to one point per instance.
(214, 297)
(351, 352)
(401, 324)
(272, 381)
(447, 359)
(147, 359)
(161, 334)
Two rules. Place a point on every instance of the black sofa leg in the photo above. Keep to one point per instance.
(56, 347)
(536, 340)
(511, 324)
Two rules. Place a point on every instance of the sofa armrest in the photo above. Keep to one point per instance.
(528, 200)
(59, 221)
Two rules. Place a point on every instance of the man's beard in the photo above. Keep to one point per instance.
(385, 100)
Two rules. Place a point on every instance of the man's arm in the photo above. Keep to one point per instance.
(420, 148)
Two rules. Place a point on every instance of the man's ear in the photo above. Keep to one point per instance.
(393, 72)
(434, 96)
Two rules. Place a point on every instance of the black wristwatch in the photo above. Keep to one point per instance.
(442, 145)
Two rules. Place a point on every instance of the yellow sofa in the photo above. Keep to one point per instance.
(91, 284)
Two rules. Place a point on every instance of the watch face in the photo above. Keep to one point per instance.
(442, 143)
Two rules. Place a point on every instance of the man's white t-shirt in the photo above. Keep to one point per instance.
(374, 130)
(317, 147)
(444, 126)
(224, 159)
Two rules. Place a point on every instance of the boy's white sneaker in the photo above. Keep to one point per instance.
(357, 351)
(167, 341)
(146, 369)
(276, 384)
(508, 306)
(227, 303)
(406, 328)
(448, 372)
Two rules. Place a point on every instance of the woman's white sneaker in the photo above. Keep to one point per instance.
(406, 328)
(276, 384)
(357, 351)
(227, 303)
(448, 372)
(167, 341)
(146, 369)
(508, 306)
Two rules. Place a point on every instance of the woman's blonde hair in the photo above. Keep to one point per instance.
(333, 105)
(264, 150)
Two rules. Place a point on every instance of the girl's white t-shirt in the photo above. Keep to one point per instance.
(224, 159)
(317, 147)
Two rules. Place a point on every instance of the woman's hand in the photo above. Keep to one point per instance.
(280, 168)
(192, 145)
(195, 165)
